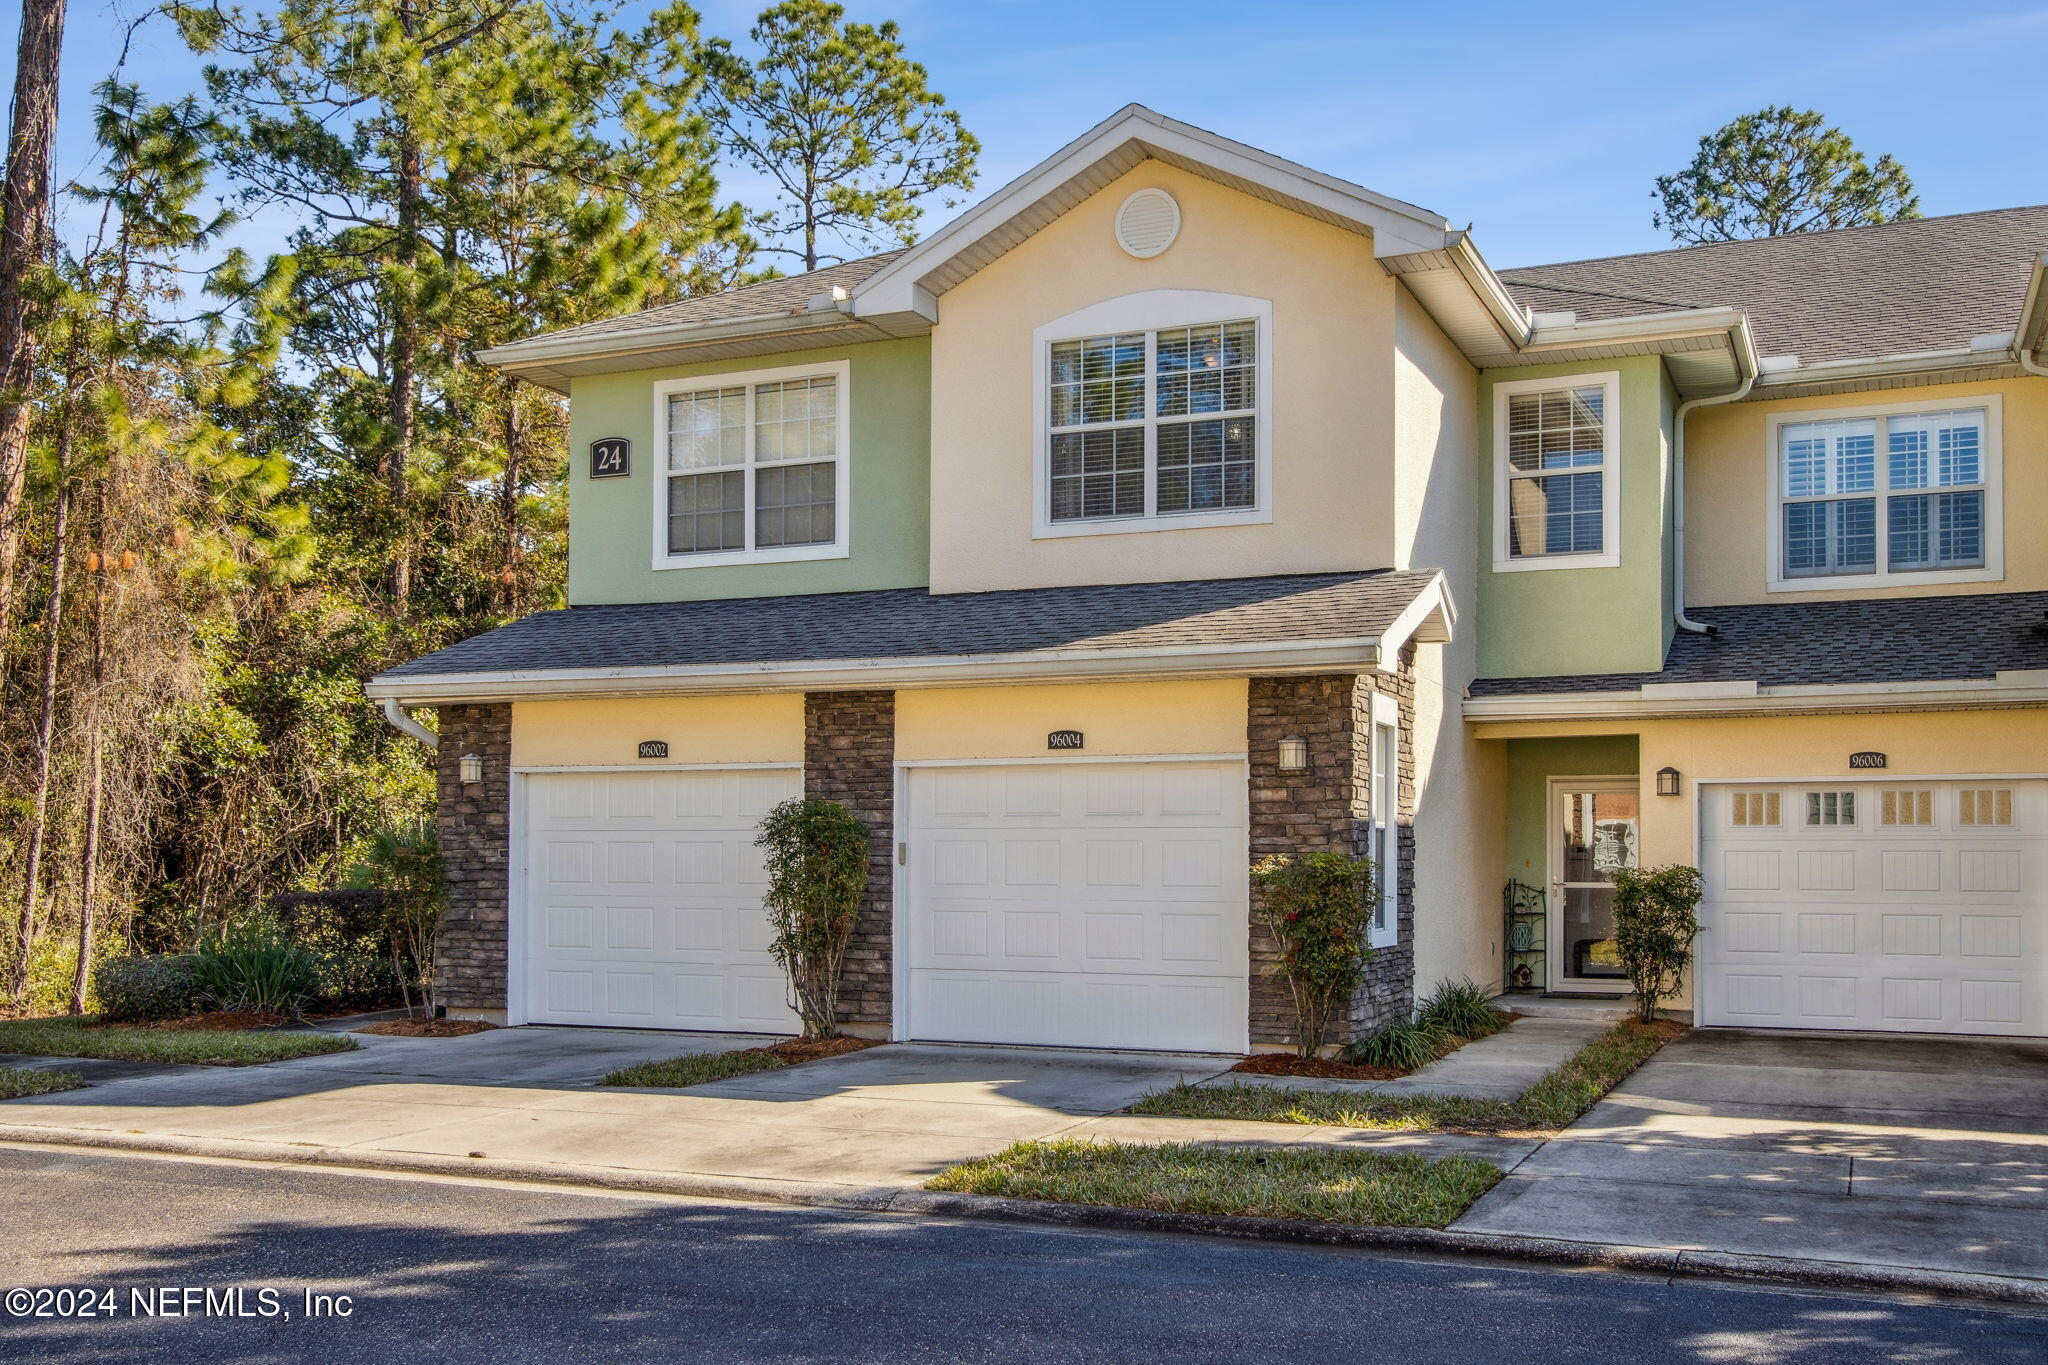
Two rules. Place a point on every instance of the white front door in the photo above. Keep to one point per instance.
(1595, 826)
(1079, 905)
(1916, 907)
(642, 905)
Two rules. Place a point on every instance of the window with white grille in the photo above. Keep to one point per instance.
(1557, 472)
(1831, 808)
(1977, 807)
(1755, 810)
(1155, 423)
(753, 467)
(1905, 807)
(1906, 494)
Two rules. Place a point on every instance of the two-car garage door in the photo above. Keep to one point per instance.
(1069, 904)
(1897, 905)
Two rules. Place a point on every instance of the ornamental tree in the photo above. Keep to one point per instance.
(817, 860)
(1317, 907)
(1655, 923)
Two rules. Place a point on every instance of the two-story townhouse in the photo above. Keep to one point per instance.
(1117, 534)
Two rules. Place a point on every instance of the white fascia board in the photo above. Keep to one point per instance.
(1801, 699)
(1430, 618)
(1077, 665)
(1881, 367)
(1396, 226)
(544, 349)
(1672, 325)
(2032, 332)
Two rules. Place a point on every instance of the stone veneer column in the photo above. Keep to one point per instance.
(475, 830)
(850, 757)
(1327, 809)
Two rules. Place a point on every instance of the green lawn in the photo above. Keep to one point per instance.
(72, 1036)
(696, 1069)
(1335, 1185)
(1550, 1104)
(19, 1081)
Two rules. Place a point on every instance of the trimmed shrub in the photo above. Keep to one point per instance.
(145, 987)
(1317, 906)
(251, 966)
(346, 981)
(1462, 1007)
(817, 860)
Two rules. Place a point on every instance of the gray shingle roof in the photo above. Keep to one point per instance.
(912, 623)
(1783, 644)
(789, 294)
(1927, 284)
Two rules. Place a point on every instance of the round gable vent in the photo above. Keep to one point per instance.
(1147, 223)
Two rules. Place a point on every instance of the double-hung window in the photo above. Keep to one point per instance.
(1903, 494)
(1157, 422)
(1557, 478)
(753, 467)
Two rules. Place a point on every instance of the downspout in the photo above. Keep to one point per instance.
(1678, 616)
(399, 720)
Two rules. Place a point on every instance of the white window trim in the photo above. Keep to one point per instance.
(1386, 826)
(842, 482)
(1149, 311)
(1994, 500)
(1609, 554)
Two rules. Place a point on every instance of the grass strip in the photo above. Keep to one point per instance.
(19, 1081)
(1333, 1185)
(1552, 1103)
(73, 1036)
(696, 1069)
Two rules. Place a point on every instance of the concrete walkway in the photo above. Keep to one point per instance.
(1496, 1068)
(525, 1099)
(1878, 1149)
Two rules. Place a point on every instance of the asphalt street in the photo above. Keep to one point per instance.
(469, 1271)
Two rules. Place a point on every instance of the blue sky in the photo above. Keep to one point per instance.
(1541, 125)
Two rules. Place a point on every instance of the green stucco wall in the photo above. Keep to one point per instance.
(611, 545)
(1545, 622)
(1531, 764)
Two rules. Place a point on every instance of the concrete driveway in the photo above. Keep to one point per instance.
(1879, 1149)
(889, 1117)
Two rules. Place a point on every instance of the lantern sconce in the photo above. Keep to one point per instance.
(1293, 754)
(470, 768)
(1667, 781)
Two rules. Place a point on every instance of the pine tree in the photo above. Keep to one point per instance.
(1775, 171)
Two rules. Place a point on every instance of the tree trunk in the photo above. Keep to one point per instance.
(402, 405)
(46, 726)
(96, 778)
(508, 506)
(24, 241)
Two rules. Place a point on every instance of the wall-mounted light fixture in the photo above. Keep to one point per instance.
(1667, 781)
(470, 768)
(1293, 754)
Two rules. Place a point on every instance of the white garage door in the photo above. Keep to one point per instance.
(643, 901)
(1916, 907)
(1079, 905)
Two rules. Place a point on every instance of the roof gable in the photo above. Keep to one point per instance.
(910, 283)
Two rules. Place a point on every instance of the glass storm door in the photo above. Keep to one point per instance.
(1594, 829)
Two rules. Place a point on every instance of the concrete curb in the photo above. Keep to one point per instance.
(887, 1199)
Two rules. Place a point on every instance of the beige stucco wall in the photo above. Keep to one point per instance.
(1117, 719)
(1333, 326)
(1797, 748)
(607, 733)
(1459, 819)
(1728, 486)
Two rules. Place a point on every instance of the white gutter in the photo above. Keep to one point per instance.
(1746, 366)
(541, 349)
(2029, 357)
(1679, 701)
(1665, 326)
(410, 726)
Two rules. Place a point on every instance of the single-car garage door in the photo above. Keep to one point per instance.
(1079, 905)
(1917, 907)
(643, 900)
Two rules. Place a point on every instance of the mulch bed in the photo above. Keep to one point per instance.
(428, 1028)
(1323, 1068)
(794, 1050)
(214, 1021)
